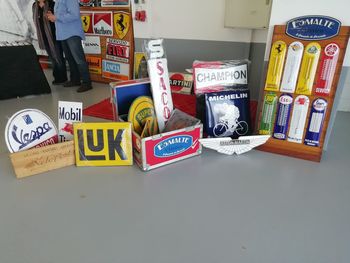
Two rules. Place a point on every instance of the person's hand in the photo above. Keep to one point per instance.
(51, 17)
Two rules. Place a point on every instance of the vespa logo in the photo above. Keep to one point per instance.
(173, 146)
(313, 27)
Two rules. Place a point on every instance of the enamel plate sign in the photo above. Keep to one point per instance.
(313, 27)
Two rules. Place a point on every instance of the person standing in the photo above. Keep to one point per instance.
(69, 30)
(47, 39)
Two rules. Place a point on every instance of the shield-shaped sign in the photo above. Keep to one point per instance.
(86, 19)
(121, 24)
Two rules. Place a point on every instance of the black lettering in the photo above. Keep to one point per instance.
(114, 144)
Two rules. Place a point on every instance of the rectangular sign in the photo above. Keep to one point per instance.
(86, 20)
(115, 2)
(115, 70)
(39, 160)
(92, 45)
(68, 113)
(103, 144)
(118, 50)
(103, 23)
(95, 64)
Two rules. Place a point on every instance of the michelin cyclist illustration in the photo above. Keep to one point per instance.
(227, 115)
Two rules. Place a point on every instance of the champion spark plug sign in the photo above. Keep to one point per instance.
(159, 76)
(103, 144)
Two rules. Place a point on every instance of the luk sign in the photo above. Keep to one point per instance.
(313, 27)
(103, 144)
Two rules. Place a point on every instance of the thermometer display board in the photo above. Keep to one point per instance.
(297, 98)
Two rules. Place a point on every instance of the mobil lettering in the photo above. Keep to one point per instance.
(100, 144)
(73, 114)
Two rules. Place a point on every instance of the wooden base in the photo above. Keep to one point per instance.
(43, 159)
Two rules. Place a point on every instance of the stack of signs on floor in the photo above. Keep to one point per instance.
(181, 133)
(223, 97)
(301, 84)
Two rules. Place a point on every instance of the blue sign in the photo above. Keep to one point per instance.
(173, 146)
(313, 27)
(109, 66)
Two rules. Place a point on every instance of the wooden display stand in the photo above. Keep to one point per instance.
(301, 150)
(126, 59)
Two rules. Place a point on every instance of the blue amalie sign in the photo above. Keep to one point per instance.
(173, 146)
(313, 27)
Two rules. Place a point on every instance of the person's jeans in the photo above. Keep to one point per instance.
(74, 53)
(59, 70)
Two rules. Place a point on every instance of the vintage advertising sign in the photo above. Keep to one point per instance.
(291, 68)
(268, 113)
(212, 74)
(297, 124)
(159, 76)
(316, 120)
(308, 68)
(313, 27)
(171, 147)
(95, 64)
(86, 20)
(327, 67)
(92, 45)
(115, 3)
(29, 128)
(103, 23)
(121, 23)
(43, 159)
(181, 83)
(118, 50)
(86, 2)
(285, 102)
(69, 112)
(140, 65)
(103, 144)
(115, 70)
(275, 68)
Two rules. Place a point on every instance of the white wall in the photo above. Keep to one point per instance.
(284, 10)
(189, 19)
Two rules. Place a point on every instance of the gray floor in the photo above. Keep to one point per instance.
(258, 207)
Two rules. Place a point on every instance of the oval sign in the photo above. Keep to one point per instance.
(173, 146)
(29, 128)
(313, 27)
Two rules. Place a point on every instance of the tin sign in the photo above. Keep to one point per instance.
(103, 144)
(29, 128)
(313, 27)
(68, 113)
(92, 45)
(115, 70)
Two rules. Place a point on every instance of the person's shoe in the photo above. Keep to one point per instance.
(57, 82)
(84, 87)
(69, 84)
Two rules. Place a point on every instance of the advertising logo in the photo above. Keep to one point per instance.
(117, 50)
(101, 144)
(121, 24)
(68, 113)
(173, 146)
(115, 70)
(86, 20)
(92, 45)
(103, 25)
(95, 64)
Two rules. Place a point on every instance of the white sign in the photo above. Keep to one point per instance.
(68, 113)
(92, 45)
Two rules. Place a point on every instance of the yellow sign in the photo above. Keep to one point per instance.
(308, 68)
(121, 24)
(274, 71)
(103, 144)
(86, 22)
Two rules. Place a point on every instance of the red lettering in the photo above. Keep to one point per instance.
(164, 98)
(166, 113)
(162, 83)
(160, 68)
